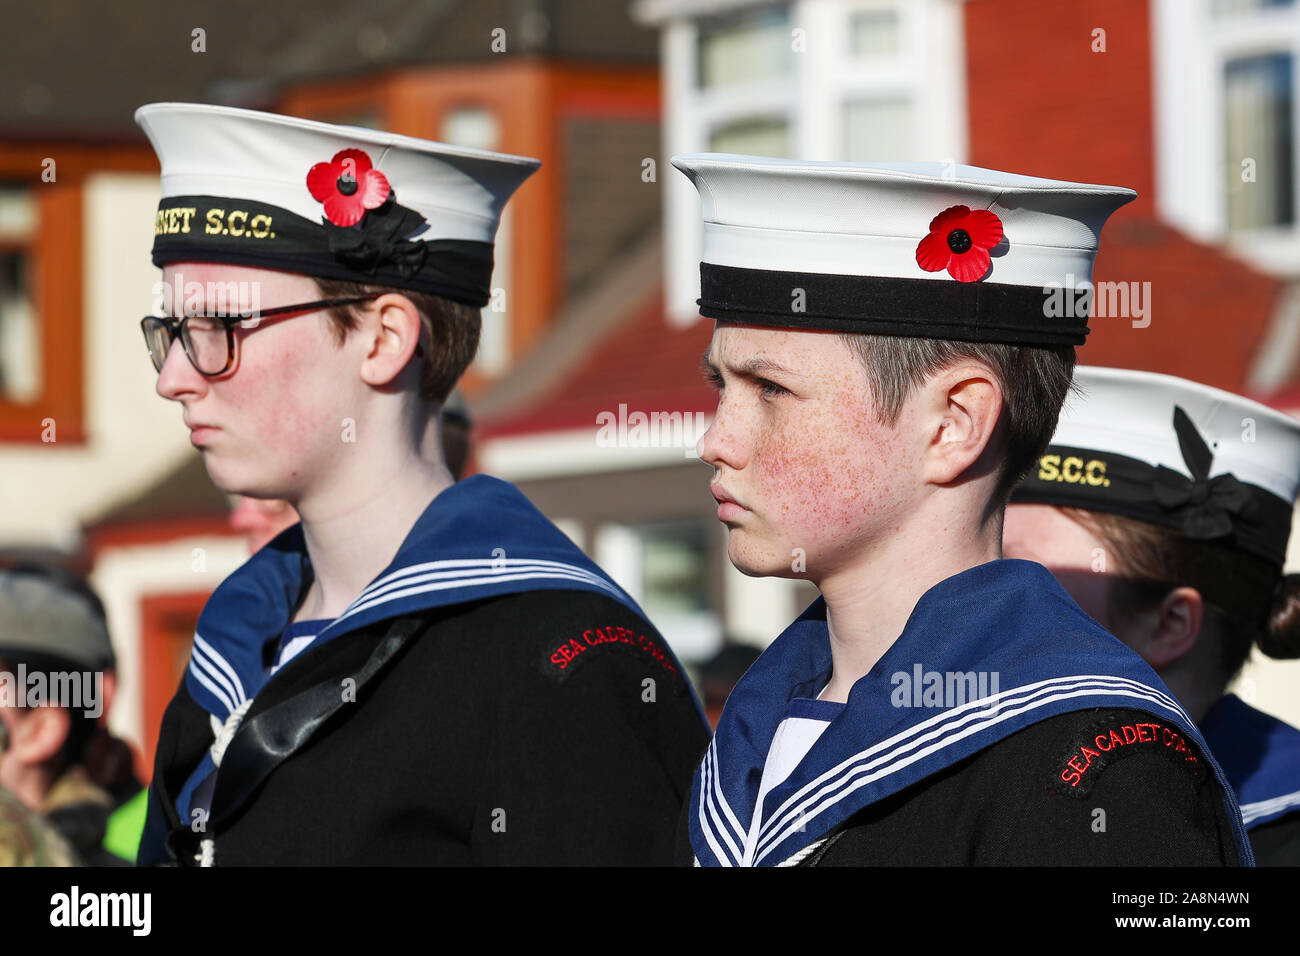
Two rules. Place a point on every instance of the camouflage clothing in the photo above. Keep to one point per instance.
(27, 840)
(78, 809)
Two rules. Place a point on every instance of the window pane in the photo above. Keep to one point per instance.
(878, 131)
(1258, 131)
(1229, 7)
(768, 136)
(674, 565)
(17, 214)
(874, 31)
(471, 126)
(744, 46)
(20, 333)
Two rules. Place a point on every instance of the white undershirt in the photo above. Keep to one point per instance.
(805, 721)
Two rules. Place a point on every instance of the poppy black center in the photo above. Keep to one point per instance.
(959, 241)
(348, 185)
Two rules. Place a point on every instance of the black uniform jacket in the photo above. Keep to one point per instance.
(1007, 806)
(542, 727)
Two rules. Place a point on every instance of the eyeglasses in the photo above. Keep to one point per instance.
(209, 340)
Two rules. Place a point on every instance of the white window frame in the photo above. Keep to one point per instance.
(929, 71)
(1190, 48)
(620, 550)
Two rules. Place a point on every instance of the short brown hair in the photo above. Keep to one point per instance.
(1034, 380)
(1249, 600)
(453, 329)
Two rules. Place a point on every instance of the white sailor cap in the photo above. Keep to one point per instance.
(927, 250)
(337, 202)
(1209, 463)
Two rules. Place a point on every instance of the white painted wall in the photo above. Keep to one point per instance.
(123, 576)
(133, 436)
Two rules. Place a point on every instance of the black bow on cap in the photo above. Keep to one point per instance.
(380, 239)
(1202, 506)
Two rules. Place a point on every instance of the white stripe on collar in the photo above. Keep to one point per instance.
(793, 815)
(1253, 811)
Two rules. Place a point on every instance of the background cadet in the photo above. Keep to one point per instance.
(61, 760)
(1164, 507)
(25, 838)
(421, 671)
(890, 362)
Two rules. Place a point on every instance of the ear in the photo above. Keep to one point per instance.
(962, 406)
(1175, 629)
(39, 734)
(393, 328)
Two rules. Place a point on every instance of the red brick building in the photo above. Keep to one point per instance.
(1189, 103)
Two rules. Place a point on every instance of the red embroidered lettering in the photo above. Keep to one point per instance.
(1090, 754)
(1113, 743)
(569, 651)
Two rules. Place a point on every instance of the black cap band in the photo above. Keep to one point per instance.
(380, 252)
(1218, 509)
(917, 308)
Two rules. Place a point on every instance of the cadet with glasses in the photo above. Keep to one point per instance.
(209, 340)
(421, 671)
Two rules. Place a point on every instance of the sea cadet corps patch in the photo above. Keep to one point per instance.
(562, 658)
(1112, 739)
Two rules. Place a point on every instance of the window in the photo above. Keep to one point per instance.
(856, 80)
(1258, 130)
(471, 126)
(745, 62)
(20, 333)
(1228, 7)
(1226, 119)
(875, 31)
(744, 46)
(664, 565)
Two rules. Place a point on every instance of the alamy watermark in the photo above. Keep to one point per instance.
(922, 688)
(72, 690)
(1099, 300)
(624, 429)
(178, 297)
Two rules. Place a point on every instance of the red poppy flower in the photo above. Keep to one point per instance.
(348, 186)
(959, 241)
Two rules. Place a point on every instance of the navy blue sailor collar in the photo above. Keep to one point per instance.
(1260, 756)
(479, 538)
(1008, 619)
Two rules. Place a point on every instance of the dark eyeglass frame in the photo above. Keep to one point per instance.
(177, 328)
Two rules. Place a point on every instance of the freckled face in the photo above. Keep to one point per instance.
(276, 416)
(1044, 534)
(796, 444)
